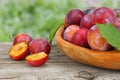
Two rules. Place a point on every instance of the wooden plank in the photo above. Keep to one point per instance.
(58, 67)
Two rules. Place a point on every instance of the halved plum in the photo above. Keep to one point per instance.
(37, 59)
(19, 51)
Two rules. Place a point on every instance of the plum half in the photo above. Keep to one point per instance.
(19, 51)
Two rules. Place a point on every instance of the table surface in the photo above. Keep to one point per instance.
(58, 67)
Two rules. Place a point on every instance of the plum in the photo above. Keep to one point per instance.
(96, 41)
(69, 31)
(74, 17)
(80, 37)
(87, 21)
(19, 51)
(37, 59)
(103, 15)
(22, 37)
(117, 23)
(39, 45)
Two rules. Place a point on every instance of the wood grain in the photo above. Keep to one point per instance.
(58, 67)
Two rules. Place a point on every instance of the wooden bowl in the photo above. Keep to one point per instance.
(102, 59)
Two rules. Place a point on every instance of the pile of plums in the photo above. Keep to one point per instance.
(80, 27)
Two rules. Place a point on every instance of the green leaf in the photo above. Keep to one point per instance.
(53, 31)
(111, 34)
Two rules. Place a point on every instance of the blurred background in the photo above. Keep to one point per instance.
(38, 17)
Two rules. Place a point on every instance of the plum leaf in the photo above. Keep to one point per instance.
(111, 34)
(53, 31)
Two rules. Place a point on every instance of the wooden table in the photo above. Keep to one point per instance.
(58, 67)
